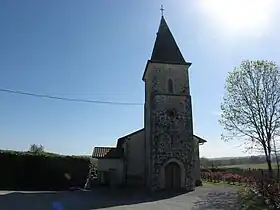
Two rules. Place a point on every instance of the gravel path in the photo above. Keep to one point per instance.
(208, 197)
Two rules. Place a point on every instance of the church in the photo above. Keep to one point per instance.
(165, 153)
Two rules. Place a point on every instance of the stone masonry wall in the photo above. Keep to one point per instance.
(172, 136)
(168, 137)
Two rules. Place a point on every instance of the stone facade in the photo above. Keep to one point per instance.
(169, 131)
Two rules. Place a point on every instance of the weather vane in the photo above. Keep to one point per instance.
(161, 9)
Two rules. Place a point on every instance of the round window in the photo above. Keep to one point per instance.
(171, 113)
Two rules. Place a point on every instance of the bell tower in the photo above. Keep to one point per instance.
(168, 115)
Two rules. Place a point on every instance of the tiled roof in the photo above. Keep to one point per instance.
(106, 152)
(122, 139)
(113, 152)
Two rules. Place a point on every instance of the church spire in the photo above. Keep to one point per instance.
(165, 47)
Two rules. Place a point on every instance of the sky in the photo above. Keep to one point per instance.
(98, 50)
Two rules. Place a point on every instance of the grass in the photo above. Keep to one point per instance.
(249, 200)
(213, 183)
(255, 166)
(246, 199)
(223, 184)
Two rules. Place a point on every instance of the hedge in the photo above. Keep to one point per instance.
(45, 171)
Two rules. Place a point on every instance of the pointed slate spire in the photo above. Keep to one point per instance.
(165, 47)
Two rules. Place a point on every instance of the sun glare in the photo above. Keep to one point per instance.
(239, 15)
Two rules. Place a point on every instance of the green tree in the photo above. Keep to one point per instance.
(36, 148)
(251, 106)
(205, 162)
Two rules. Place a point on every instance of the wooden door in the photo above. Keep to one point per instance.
(172, 176)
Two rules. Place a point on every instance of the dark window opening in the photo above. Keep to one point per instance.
(170, 86)
(170, 113)
(171, 141)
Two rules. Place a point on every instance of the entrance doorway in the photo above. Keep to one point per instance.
(172, 176)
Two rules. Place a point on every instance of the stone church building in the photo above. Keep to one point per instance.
(165, 153)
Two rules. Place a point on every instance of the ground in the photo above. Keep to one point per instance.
(207, 197)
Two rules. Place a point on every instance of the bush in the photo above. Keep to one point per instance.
(43, 171)
(269, 189)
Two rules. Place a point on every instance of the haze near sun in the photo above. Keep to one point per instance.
(239, 16)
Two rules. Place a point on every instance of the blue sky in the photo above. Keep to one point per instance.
(98, 50)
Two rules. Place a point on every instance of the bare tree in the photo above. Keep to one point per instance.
(251, 106)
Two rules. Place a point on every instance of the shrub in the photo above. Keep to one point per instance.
(41, 171)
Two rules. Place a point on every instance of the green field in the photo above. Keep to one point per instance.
(253, 166)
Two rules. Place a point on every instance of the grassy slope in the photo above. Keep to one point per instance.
(255, 166)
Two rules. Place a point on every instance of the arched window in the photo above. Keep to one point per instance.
(170, 86)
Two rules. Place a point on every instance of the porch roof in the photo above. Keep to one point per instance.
(106, 152)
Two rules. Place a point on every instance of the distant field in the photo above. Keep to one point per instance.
(246, 166)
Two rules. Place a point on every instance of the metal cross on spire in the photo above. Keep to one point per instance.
(161, 9)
